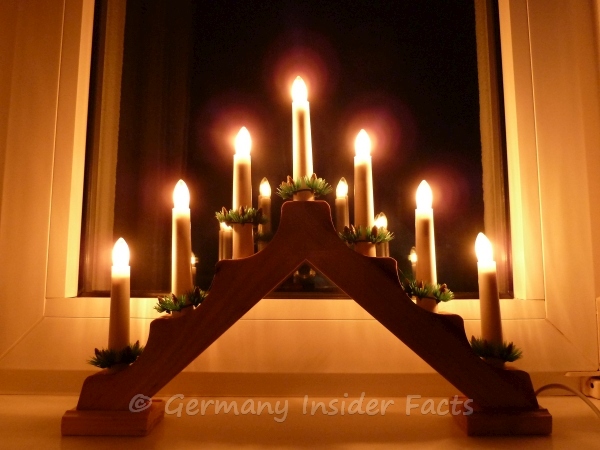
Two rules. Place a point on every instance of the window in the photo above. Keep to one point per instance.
(194, 73)
(551, 170)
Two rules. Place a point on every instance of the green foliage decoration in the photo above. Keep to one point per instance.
(171, 303)
(242, 215)
(318, 186)
(507, 351)
(108, 357)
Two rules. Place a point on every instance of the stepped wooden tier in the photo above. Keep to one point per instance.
(504, 400)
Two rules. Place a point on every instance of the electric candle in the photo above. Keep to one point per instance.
(342, 214)
(225, 238)
(383, 248)
(264, 203)
(194, 261)
(424, 236)
(412, 257)
(301, 136)
(242, 180)
(363, 187)
(242, 239)
(181, 244)
(118, 324)
(489, 300)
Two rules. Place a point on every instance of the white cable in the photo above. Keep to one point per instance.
(577, 393)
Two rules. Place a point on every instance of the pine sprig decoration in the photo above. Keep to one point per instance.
(318, 186)
(287, 189)
(171, 303)
(421, 290)
(351, 235)
(241, 215)
(108, 357)
(379, 235)
(507, 351)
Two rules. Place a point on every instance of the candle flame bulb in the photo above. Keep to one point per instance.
(412, 257)
(224, 226)
(120, 254)
(299, 91)
(362, 144)
(243, 142)
(265, 188)
(181, 196)
(194, 259)
(342, 188)
(381, 221)
(424, 196)
(483, 249)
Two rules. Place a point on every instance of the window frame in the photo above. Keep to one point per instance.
(559, 331)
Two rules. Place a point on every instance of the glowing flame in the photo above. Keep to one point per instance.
(412, 257)
(265, 188)
(483, 249)
(299, 91)
(424, 196)
(362, 144)
(225, 227)
(342, 188)
(120, 254)
(243, 142)
(181, 196)
(381, 221)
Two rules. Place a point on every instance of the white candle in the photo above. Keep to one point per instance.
(181, 244)
(264, 203)
(424, 236)
(301, 137)
(363, 182)
(412, 257)
(489, 300)
(381, 222)
(118, 324)
(242, 180)
(225, 237)
(342, 214)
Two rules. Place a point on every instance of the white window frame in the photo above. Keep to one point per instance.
(555, 220)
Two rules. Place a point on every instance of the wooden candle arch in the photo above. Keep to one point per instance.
(504, 400)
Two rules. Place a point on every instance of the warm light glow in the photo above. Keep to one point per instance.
(424, 196)
(224, 226)
(181, 196)
(381, 221)
(265, 188)
(362, 144)
(299, 91)
(342, 188)
(412, 257)
(243, 142)
(120, 254)
(483, 249)
(194, 259)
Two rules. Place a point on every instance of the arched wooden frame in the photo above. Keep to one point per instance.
(306, 234)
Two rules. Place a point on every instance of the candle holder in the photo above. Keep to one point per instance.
(426, 295)
(304, 188)
(107, 404)
(364, 240)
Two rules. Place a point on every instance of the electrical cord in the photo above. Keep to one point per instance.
(577, 393)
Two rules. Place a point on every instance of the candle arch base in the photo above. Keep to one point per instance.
(306, 234)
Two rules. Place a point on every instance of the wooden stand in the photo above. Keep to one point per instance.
(481, 422)
(112, 423)
(306, 234)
